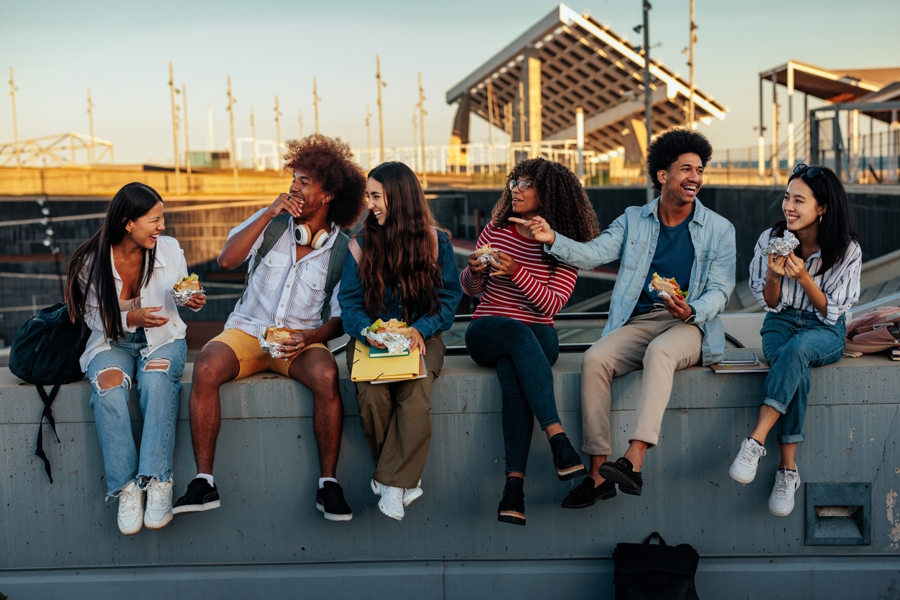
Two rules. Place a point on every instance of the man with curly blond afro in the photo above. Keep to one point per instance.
(681, 240)
(296, 251)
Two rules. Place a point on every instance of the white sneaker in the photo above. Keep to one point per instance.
(376, 487)
(131, 509)
(391, 503)
(159, 504)
(781, 502)
(410, 495)
(743, 469)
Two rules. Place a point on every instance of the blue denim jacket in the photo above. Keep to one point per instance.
(352, 297)
(632, 239)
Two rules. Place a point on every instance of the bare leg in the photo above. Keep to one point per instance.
(635, 453)
(216, 365)
(788, 452)
(317, 370)
(768, 416)
(594, 473)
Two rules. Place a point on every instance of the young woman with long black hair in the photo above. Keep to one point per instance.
(805, 295)
(400, 266)
(522, 289)
(120, 283)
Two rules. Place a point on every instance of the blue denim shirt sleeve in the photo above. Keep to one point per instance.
(450, 293)
(603, 249)
(352, 298)
(720, 280)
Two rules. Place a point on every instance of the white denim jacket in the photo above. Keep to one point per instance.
(170, 267)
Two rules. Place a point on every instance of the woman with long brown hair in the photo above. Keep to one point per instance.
(120, 283)
(400, 266)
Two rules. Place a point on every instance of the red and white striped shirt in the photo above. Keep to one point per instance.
(533, 295)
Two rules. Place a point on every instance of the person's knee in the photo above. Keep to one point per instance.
(111, 378)
(657, 353)
(326, 383)
(210, 370)
(595, 360)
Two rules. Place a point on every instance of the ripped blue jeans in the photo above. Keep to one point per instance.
(159, 385)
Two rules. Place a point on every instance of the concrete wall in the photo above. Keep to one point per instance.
(267, 539)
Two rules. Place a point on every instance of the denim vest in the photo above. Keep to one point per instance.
(632, 237)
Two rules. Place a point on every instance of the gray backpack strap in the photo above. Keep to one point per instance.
(335, 268)
(273, 232)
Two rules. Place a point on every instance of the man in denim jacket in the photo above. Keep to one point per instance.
(674, 236)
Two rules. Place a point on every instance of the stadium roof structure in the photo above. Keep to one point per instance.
(832, 85)
(582, 63)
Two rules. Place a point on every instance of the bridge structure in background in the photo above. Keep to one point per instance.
(61, 150)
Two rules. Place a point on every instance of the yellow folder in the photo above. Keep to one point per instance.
(393, 368)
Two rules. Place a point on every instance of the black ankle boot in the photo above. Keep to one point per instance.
(566, 460)
(512, 505)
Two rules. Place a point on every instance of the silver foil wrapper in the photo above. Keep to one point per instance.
(659, 293)
(182, 296)
(783, 246)
(394, 342)
(272, 348)
(485, 259)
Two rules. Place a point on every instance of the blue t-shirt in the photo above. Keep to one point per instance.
(674, 257)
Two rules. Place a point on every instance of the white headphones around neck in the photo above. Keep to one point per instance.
(303, 235)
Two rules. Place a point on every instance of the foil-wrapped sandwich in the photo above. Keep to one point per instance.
(782, 246)
(272, 341)
(186, 289)
(666, 287)
(393, 335)
(484, 254)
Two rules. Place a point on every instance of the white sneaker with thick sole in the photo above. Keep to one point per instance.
(391, 503)
(410, 495)
(781, 501)
(131, 509)
(158, 513)
(743, 469)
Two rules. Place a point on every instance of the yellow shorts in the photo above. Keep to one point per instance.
(254, 359)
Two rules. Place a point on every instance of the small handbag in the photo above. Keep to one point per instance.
(650, 572)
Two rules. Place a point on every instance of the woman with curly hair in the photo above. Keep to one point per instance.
(522, 288)
(296, 251)
(401, 266)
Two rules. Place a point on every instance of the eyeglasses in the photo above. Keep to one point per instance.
(807, 171)
(521, 184)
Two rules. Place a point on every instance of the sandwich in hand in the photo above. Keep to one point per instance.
(392, 326)
(189, 283)
(277, 336)
(666, 286)
(484, 254)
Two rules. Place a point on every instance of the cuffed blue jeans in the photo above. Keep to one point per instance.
(793, 342)
(523, 355)
(159, 389)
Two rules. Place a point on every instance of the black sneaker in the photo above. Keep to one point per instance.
(566, 460)
(622, 473)
(199, 496)
(587, 495)
(330, 502)
(512, 505)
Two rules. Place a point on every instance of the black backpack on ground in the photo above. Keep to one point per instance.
(649, 572)
(46, 351)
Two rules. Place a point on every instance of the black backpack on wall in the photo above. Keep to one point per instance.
(46, 351)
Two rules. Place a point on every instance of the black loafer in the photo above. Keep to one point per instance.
(567, 461)
(587, 495)
(512, 505)
(622, 473)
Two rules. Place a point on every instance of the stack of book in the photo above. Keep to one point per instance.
(740, 360)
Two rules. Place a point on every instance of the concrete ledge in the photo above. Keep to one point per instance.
(267, 467)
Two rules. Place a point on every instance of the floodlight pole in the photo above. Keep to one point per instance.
(253, 136)
(187, 139)
(172, 92)
(12, 96)
(490, 100)
(422, 113)
(693, 39)
(315, 104)
(368, 139)
(415, 122)
(234, 166)
(300, 121)
(210, 134)
(90, 112)
(380, 119)
(277, 136)
(648, 114)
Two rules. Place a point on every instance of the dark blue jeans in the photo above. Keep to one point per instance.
(523, 355)
(793, 342)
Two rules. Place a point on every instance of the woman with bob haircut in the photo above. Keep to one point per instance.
(400, 266)
(522, 288)
(120, 283)
(805, 295)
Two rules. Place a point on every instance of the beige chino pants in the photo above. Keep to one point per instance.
(655, 342)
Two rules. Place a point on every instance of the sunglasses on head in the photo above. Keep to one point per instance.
(521, 184)
(807, 171)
